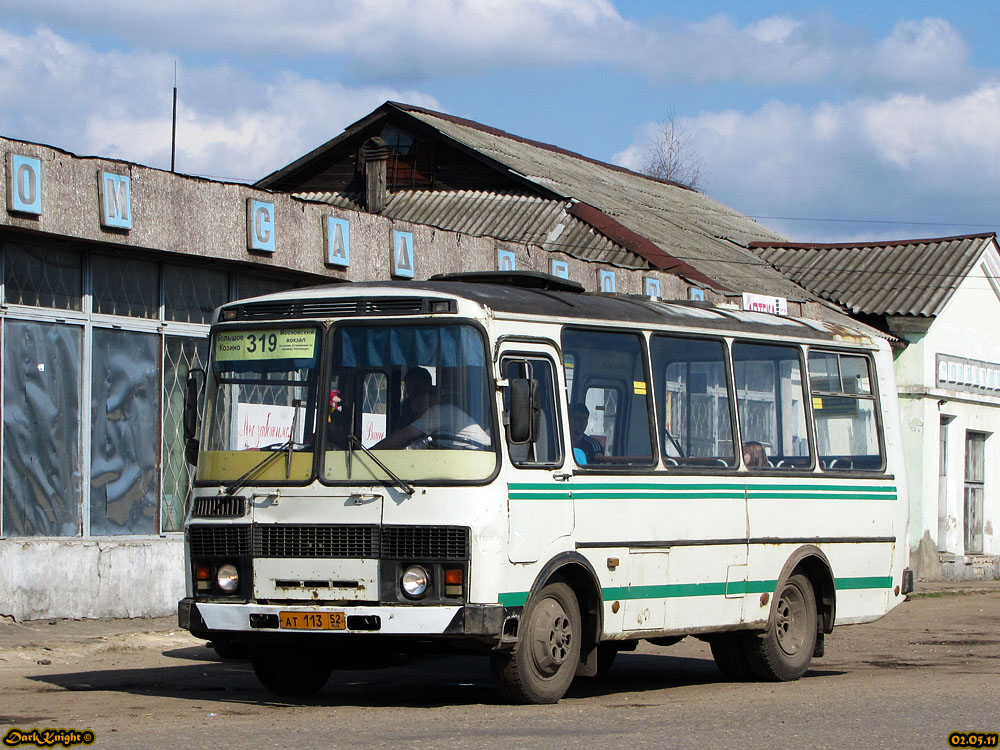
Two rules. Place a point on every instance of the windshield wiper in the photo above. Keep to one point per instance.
(287, 447)
(402, 484)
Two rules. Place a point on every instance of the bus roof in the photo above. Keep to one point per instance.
(408, 298)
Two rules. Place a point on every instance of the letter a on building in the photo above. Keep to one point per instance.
(402, 254)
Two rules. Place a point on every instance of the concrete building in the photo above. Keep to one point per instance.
(941, 298)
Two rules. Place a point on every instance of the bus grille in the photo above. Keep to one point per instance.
(220, 506)
(315, 541)
(330, 541)
(425, 542)
(219, 541)
(349, 307)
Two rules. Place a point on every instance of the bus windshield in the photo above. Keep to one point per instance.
(413, 397)
(261, 400)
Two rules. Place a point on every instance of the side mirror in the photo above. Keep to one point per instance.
(524, 413)
(192, 395)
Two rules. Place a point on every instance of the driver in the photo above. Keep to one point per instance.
(445, 423)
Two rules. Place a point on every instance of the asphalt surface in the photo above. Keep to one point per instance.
(48, 633)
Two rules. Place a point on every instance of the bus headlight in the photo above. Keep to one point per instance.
(227, 578)
(414, 581)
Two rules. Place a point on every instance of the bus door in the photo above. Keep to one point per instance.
(540, 503)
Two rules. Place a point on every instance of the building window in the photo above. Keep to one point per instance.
(190, 294)
(126, 286)
(180, 356)
(42, 466)
(125, 416)
(42, 276)
(975, 479)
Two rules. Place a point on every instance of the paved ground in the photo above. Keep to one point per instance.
(927, 669)
(48, 632)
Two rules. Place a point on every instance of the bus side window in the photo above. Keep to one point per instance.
(844, 412)
(606, 373)
(770, 396)
(545, 450)
(692, 399)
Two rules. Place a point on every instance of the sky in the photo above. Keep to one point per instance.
(826, 122)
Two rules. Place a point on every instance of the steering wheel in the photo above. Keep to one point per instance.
(457, 441)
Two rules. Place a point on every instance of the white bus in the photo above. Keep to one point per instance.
(540, 474)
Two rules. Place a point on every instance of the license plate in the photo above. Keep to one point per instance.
(312, 620)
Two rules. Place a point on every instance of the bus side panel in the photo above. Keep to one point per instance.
(691, 580)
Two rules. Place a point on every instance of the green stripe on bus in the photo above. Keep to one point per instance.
(517, 486)
(674, 590)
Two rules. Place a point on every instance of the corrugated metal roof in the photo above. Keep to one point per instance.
(685, 224)
(533, 220)
(904, 277)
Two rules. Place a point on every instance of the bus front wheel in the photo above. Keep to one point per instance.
(783, 653)
(545, 660)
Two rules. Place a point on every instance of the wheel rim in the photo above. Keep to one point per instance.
(790, 621)
(551, 637)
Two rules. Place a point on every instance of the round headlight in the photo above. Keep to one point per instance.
(414, 582)
(228, 578)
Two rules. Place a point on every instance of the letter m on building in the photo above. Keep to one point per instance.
(116, 200)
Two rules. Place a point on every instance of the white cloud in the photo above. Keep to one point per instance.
(230, 124)
(401, 40)
(901, 159)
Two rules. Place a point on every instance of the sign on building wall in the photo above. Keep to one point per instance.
(338, 242)
(765, 304)
(260, 226)
(116, 200)
(606, 281)
(403, 261)
(958, 373)
(24, 184)
(560, 268)
(506, 260)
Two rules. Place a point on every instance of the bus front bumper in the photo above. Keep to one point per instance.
(399, 619)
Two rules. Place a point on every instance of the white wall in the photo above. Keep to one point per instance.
(967, 327)
(85, 578)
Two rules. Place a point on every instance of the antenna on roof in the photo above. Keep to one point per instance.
(173, 127)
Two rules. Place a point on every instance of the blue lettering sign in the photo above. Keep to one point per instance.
(260, 225)
(402, 254)
(338, 242)
(24, 184)
(506, 260)
(607, 281)
(560, 268)
(116, 200)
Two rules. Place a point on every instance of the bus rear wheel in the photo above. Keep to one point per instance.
(784, 652)
(286, 670)
(545, 660)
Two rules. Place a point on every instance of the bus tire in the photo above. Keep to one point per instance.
(730, 654)
(290, 671)
(784, 651)
(544, 662)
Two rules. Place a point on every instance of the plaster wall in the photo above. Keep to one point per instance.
(966, 328)
(86, 578)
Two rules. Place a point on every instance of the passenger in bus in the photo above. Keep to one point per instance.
(444, 423)
(754, 455)
(583, 444)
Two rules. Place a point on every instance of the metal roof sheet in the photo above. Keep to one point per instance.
(685, 224)
(535, 220)
(904, 277)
